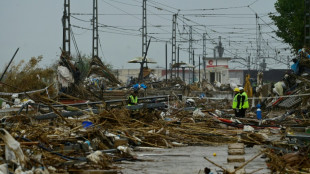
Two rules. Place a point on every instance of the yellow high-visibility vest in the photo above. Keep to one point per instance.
(234, 105)
(133, 100)
(246, 102)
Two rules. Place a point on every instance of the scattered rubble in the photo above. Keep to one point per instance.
(45, 135)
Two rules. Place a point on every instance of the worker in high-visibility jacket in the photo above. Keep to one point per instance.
(243, 103)
(235, 101)
(133, 98)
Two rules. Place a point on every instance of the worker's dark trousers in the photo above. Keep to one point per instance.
(242, 113)
(236, 113)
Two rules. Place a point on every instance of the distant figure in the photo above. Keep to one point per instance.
(295, 66)
(136, 87)
(243, 103)
(235, 101)
(129, 81)
(279, 88)
(133, 98)
(143, 86)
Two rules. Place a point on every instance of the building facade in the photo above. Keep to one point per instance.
(217, 69)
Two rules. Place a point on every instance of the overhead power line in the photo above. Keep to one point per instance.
(238, 36)
(124, 3)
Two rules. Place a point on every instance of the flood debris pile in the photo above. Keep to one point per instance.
(286, 107)
(100, 76)
(96, 140)
(48, 135)
(95, 137)
(85, 78)
(283, 130)
(294, 162)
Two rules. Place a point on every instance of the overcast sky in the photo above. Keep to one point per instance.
(35, 27)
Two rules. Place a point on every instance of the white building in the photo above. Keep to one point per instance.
(217, 69)
(124, 74)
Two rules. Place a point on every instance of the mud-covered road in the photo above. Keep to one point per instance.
(188, 160)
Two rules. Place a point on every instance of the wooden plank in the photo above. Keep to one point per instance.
(236, 146)
(235, 151)
(241, 171)
(234, 159)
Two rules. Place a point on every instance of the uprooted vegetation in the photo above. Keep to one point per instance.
(28, 76)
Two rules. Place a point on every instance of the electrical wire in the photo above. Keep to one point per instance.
(133, 5)
(129, 13)
(101, 48)
(121, 10)
(198, 29)
(213, 9)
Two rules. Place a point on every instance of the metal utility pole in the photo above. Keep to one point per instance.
(220, 48)
(249, 63)
(199, 69)
(178, 61)
(66, 28)
(262, 65)
(174, 46)
(183, 74)
(166, 62)
(214, 53)
(307, 24)
(144, 29)
(190, 48)
(204, 54)
(193, 66)
(258, 44)
(143, 61)
(95, 29)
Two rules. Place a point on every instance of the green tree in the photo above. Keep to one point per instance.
(290, 22)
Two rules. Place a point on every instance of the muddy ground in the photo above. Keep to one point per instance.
(185, 160)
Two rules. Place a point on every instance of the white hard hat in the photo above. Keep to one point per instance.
(240, 88)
